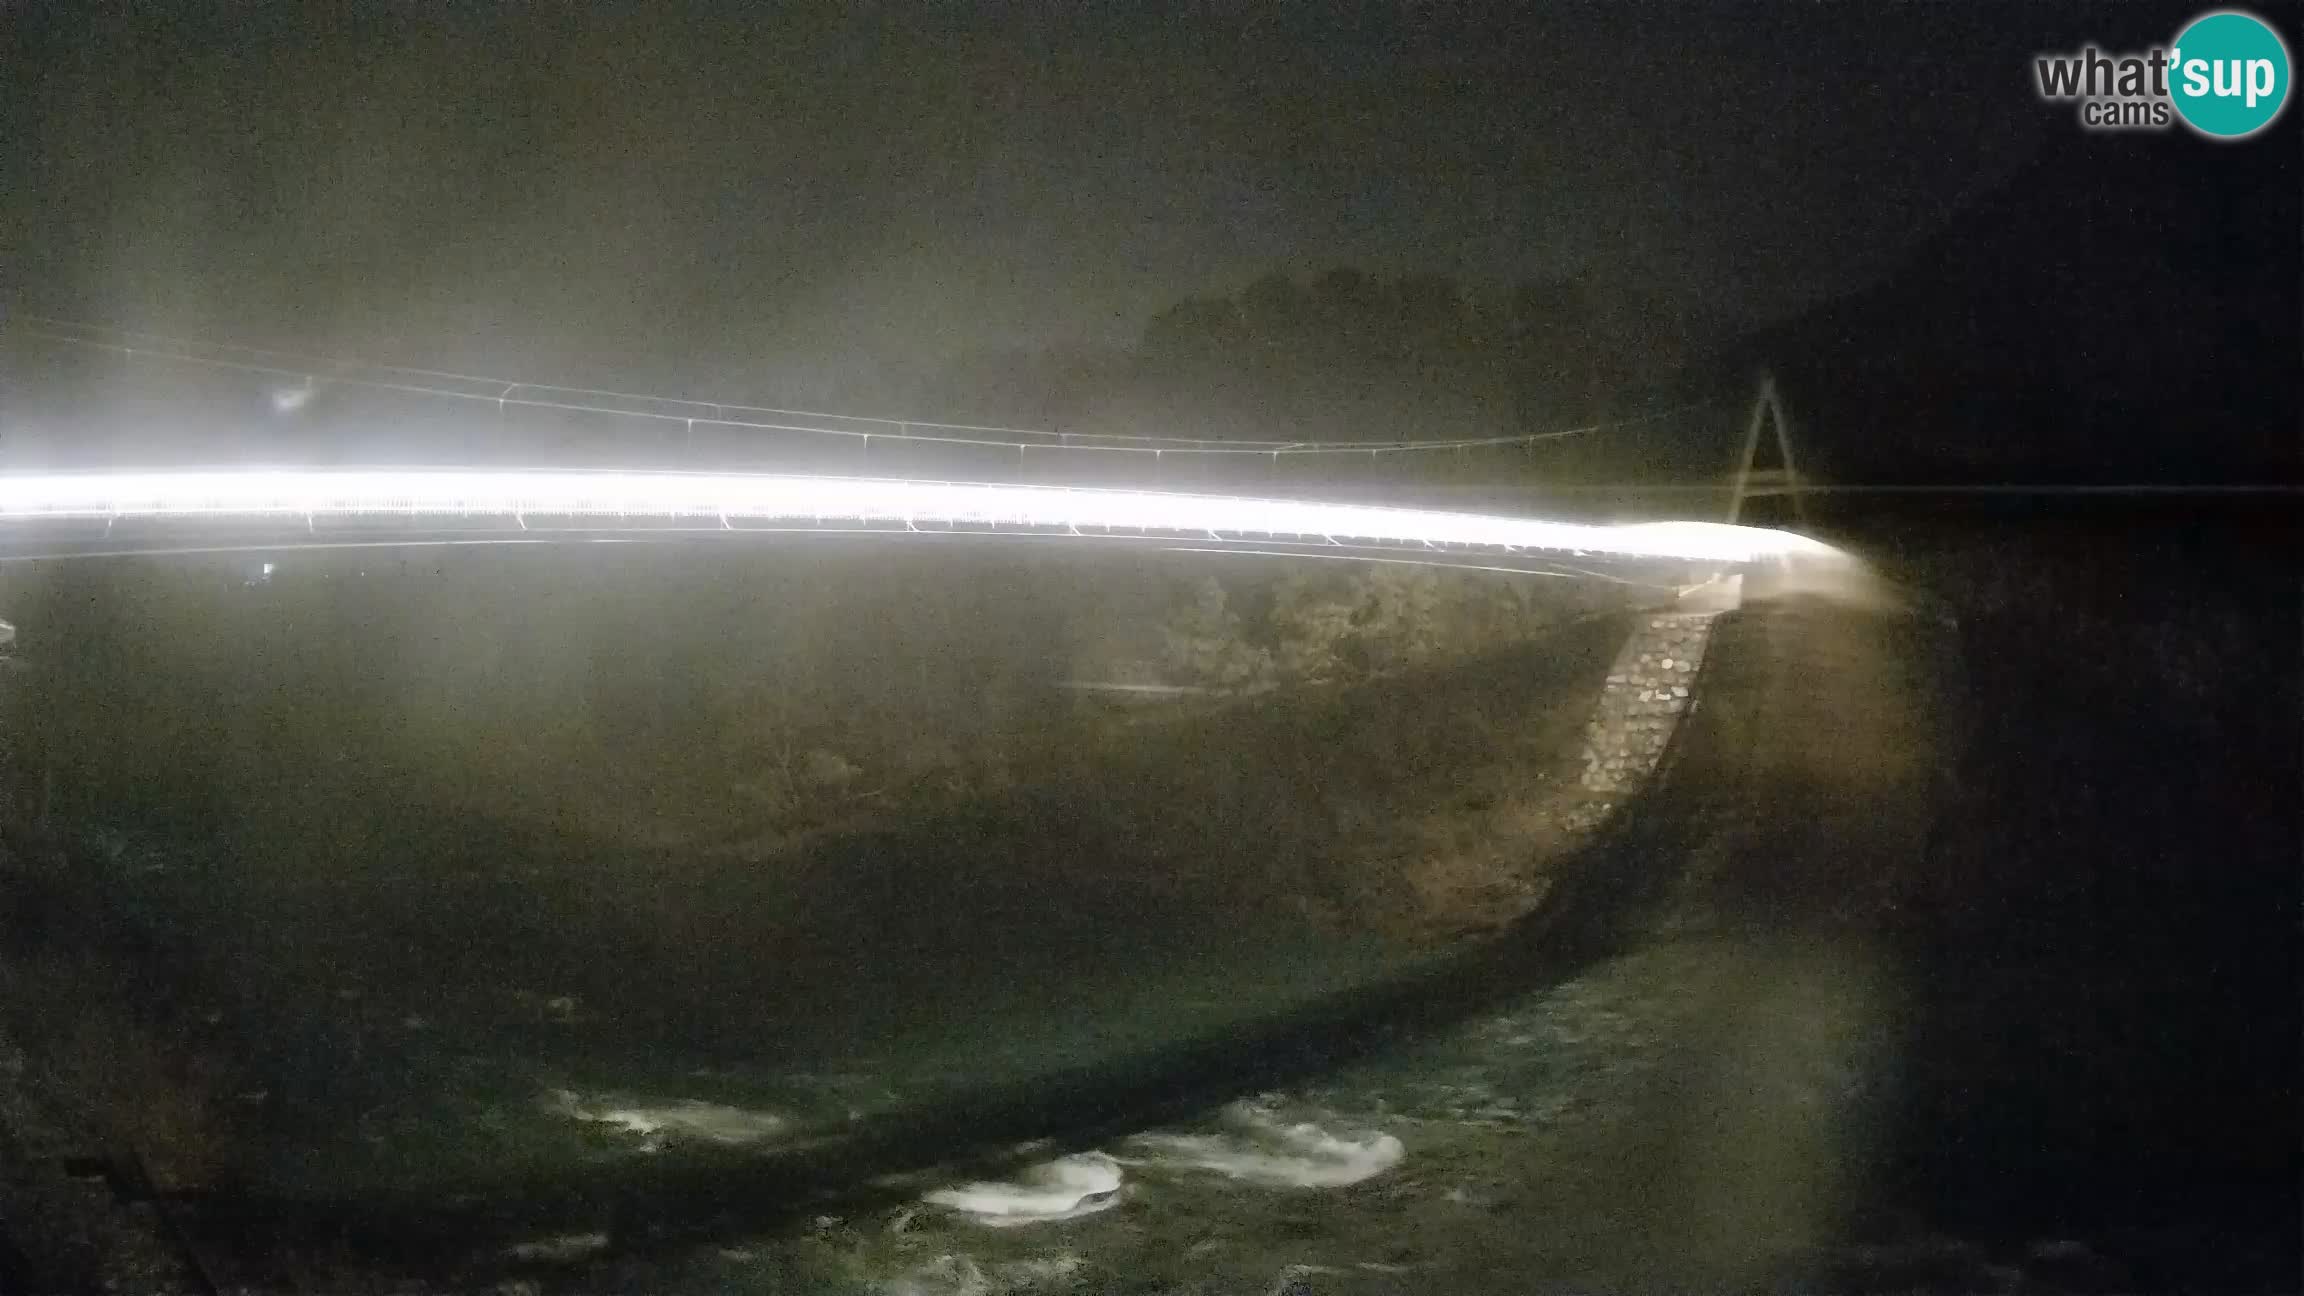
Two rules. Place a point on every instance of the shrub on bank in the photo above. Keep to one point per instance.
(1322, 626)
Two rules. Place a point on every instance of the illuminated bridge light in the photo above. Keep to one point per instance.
(536, 499)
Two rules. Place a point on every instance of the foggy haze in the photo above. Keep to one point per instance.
(794, 206)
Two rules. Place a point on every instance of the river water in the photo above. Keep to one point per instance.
(1493, 1157)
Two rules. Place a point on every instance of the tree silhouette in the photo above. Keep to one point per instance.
(1341, 355)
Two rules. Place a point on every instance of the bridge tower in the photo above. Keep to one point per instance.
(1765, 469)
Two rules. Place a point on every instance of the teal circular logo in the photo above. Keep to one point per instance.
(2228, 74)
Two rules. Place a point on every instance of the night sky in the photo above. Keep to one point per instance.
(723, 195)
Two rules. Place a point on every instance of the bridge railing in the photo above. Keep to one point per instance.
(87, 397)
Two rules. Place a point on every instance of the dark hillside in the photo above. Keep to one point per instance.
(2124, 309)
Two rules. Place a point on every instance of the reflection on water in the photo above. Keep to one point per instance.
(658, 1123)
(1255, 1148)
(1051, 1192)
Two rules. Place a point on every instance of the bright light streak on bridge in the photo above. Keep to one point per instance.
(575, 500)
